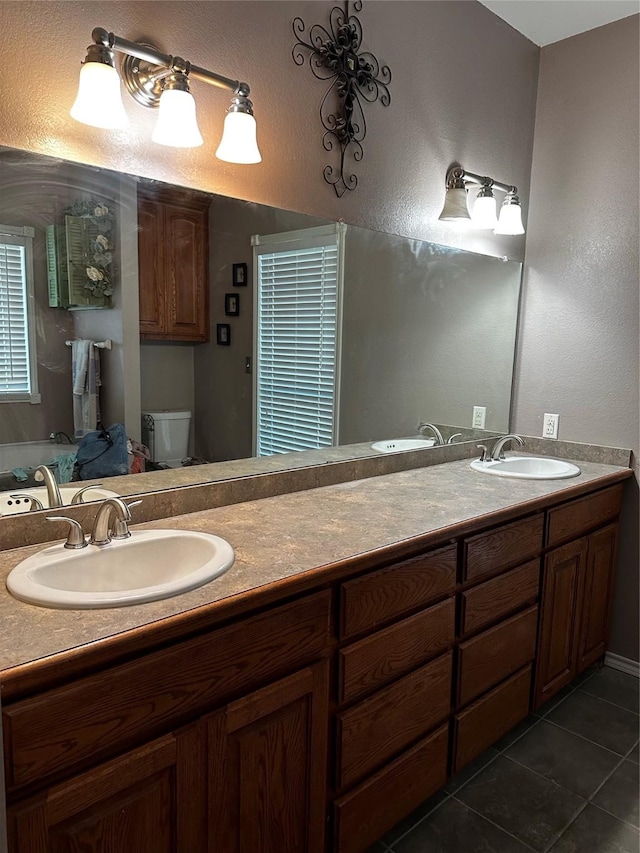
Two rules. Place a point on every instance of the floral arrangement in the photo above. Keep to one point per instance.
(99, 280)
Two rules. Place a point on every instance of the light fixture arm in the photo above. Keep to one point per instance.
(457, 177)
(166, 63)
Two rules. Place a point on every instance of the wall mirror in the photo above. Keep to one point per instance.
(423, 332)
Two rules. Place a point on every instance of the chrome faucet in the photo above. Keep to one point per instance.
(35, 504)
(498, 448)
(53, 492)
(101, 534)
(434, 429)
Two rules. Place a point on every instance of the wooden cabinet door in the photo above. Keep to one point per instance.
(151, 800)
(186, 272)
(267, 768)
(557, 641)
(596, 596)
(151, 267)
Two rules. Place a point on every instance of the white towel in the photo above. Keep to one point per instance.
(85, 364)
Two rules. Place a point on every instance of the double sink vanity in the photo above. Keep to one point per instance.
(370, 638)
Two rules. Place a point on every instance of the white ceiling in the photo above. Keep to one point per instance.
(546, 21)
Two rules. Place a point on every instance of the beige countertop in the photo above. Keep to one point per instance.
(280, 538)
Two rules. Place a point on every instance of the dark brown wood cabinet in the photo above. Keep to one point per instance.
(267, 755)
(558, 624)
(314, 723)
(173, 239)
(151, 798)
(577, 589)
(250, 761)
(596, 595)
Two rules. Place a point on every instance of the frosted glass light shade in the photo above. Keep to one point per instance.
(483, 215)
(510, 220)
(455, 206)
(239, 143)
(177, 124)
(99, 100)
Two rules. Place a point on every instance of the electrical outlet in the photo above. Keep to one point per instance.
(479, 415)
(550, 426)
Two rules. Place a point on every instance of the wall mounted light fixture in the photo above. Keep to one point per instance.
(484, 211)
(160, 80)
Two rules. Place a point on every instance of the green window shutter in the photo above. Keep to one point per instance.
(80, 232)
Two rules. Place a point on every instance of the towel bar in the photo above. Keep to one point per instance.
(99, 344)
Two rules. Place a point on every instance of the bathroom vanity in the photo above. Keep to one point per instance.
(371, 639)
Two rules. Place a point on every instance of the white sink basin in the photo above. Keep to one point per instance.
(528, 468)
(150, 565)
(11, 506)
(396, 444)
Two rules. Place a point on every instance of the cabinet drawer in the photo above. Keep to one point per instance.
(389, 653)
(493, 655)
(498, 597)
(484, 722)
(145, 697)
(576, 517)
(379, 596)
(381, 726)
(362, 816)
(506, 546)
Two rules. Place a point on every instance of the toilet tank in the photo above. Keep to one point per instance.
(166, 434)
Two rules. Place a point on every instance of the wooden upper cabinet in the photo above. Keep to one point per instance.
(150, 267)
(152, 798)
(173, 237)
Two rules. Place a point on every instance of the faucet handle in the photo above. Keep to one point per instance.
(75, 537)
(121, 526)
(35, 503)
(78, 498)
(483, 455)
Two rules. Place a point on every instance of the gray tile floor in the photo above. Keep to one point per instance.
(564, 781)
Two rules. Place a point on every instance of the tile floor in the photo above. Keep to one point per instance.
(564, 781)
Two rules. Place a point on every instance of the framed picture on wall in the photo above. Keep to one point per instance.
(232, 304)
(223, 334)
(239, 275)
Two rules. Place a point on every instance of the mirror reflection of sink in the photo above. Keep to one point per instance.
(528, 468)
(396, 444)
(150, 565)
(12, 505)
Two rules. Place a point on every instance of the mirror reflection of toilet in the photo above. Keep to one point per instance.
(166, 434)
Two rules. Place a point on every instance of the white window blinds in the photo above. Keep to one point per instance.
(17, 351)
(297, 340)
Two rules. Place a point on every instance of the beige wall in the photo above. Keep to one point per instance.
(578, 352)
(429, 347)
(167, 379)
(468, 104)
(224, 390)
(34, 197)
(463, 88)
(36, 194)
(118, 367)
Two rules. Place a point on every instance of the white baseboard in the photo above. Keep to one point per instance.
(631, 667)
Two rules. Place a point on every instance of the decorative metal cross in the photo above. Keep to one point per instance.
(355, 77)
